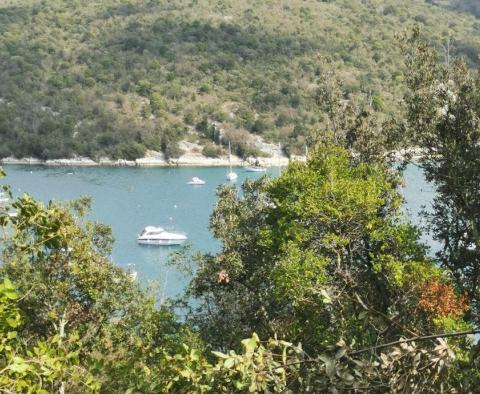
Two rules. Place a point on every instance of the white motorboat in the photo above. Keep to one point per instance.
(255, 169)
(231, 176)
(158, 236)
(196, 181)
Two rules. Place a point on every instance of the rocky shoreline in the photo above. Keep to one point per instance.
(190, 159)
(154, 159)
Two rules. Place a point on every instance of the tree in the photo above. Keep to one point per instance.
(443, 114)
(77, 305)
(36, 366)
(319, 254)
(157, 103)
(354, 125)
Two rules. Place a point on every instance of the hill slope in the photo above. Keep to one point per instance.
(116, 77)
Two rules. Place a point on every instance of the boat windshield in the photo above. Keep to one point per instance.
(152, 231)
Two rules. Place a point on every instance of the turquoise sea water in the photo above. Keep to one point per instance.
(128, 199)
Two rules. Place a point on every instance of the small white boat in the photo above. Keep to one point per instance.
(255, 169)
(158, 236)
(231, 176)
(196, 181)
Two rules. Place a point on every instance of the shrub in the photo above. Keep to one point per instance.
(212, 150)
(130, 151)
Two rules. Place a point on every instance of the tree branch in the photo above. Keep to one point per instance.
(378, 347)
(413, 339)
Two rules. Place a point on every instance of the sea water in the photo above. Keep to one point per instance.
(128, 199)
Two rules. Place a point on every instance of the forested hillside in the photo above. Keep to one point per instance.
(116, 77)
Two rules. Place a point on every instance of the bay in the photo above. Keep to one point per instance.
(128, 199)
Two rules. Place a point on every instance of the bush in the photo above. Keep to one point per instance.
(204, 88)
(172, 150)
(212, 150)
(259, 126)
(377, 103)
(421, 19)
(129, 151)
(390, 10)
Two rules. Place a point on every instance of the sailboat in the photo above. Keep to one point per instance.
(279, 161)
(231, 176)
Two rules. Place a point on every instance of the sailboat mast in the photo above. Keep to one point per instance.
(279, 159)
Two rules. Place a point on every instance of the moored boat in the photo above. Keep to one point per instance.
(255, 169)
(152, 235)
(196, 181)
(231, 176)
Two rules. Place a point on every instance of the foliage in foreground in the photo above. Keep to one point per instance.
(71, 321)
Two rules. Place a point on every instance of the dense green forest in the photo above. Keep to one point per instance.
(116, 77)
(320, 283)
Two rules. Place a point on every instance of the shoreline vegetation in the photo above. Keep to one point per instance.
(271, 156)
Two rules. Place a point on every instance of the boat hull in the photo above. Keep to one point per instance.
(231, 176)
(160, 242)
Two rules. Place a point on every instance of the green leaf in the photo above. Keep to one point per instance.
(13, 321)
(250, 344)
(19, 366)
(11, 294)
(219, 354)
(12, 335)
(229, 362)
(340, 353)
(326, 299)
